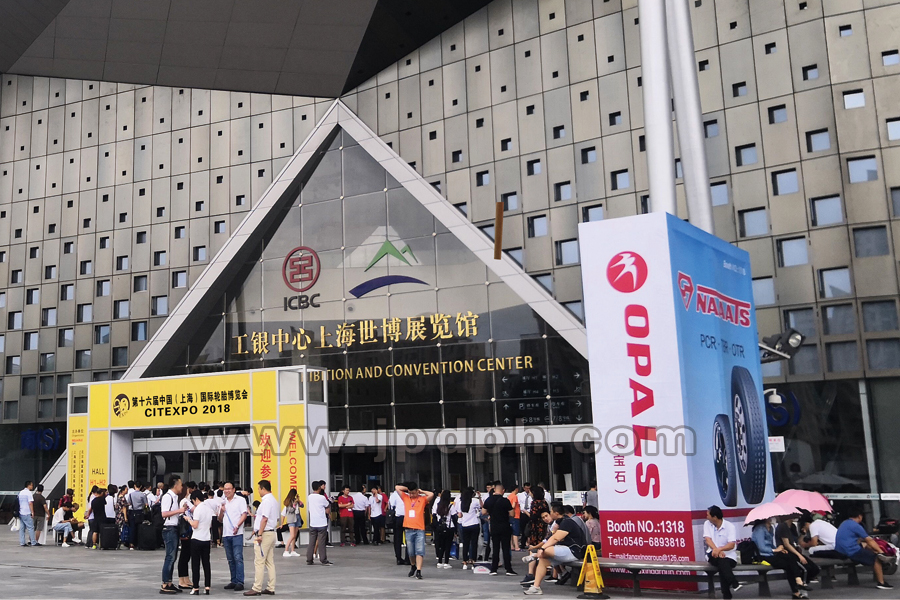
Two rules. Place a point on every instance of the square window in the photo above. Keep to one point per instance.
(482, 178)
(179, 185)
(893, 128)
(140, 237)
(841, 356)
(890, 58)
(432, 135)
(753, 222)
(732, 25)
(583, 96)
(588, 155)
(529, 110)
(854, 99)
(803, 320)
(826, 210)
(219, 227)
(15, 276)
(871, 241)
(199, 206)
(883, 354)
(505, 144)
(85, 224)
(554, 74)
(880, 316)
(559, 132)
(793, 252)
(11, 409)
(462, 207)
(592, 213)
(159, 258)
(456, 156)
(611, 58)
(180, 232)
(120, 356)
(50, 272)
(711, 129)
(239, 200)
(818, 140)
(642, 143)
(488, 230)
(835, 283)
(103, 287)
(121, 263)
(785, 182)
(567, 252)
(862, 169)
(615, 118)
(179, 279)
(120, 309)
(261, 173)
(84, 313)
(101, 334)
(161, 211)
(546, 281)
(32, 296)
(140, 283)
(66, 338)
(30, 341)
(771, 48)
(87, 267)
(139, 331)
(104, 242)
(562, 191)
(839, 319)
(619, 180)
(527, 53)
(510, 200)
(67, 292)
(159, 306)
(778, 114)
(764, 291)
(703, 65)
(745, 155)
(739, 89)
(845, 30)
(199, 253)
(533, 167)
(13, 365)
(479, 123)
(29, 386)
(83, 360)
(810, 72)
(537, 226)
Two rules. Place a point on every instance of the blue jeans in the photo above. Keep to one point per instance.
(27, 523)
(415, 542)
(170, 539)
(234, 552)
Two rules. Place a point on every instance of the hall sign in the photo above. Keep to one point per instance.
(436, 327)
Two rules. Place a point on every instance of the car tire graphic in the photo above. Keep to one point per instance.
(723, 456)
(750, 435)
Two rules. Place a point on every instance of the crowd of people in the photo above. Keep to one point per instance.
(476, 528)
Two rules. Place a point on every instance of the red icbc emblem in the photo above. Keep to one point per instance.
(626, 272)
(301, 269)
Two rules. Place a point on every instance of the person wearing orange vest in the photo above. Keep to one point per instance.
(415, 501)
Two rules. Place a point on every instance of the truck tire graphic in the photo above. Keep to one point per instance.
(750, 435)
(723, 455)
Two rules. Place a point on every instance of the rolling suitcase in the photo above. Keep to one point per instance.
(109, 536)
(146, 536)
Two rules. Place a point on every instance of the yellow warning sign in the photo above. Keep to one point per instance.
(590, 575)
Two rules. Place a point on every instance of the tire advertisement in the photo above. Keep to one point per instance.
(672, 338)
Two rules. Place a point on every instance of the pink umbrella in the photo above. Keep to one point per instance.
(811, 501)
(767, 511)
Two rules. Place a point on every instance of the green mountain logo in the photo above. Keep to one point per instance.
(389, 249)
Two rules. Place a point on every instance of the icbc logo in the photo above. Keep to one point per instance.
(301, 268)
(626, 272)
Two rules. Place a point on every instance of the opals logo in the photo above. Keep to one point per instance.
(388, 249)
(626, 272)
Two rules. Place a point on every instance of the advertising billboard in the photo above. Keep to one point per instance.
(672, 344)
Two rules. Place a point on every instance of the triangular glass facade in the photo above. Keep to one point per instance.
(357, 276)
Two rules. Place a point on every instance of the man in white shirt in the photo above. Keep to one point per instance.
(721, 542)
(232, 513)
(822, 535)
(61, 523)
(264, 525)
(171, 513)
(376, 514)
(360, 512)
(319, 506)
(26, 515)
(396, 504)
(524, 513)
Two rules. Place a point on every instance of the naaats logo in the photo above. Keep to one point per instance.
(626, 272)
(686, 287)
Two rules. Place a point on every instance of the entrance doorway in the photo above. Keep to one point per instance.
(154, 467)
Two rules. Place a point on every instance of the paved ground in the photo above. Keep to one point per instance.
(370, 572)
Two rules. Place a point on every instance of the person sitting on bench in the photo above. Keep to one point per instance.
(854, 542)
(818, 537)
(778, 556)
(721, 542)
(566, 545)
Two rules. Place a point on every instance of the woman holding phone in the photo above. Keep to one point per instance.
(200, 518)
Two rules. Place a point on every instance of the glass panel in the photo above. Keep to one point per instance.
(785, 183)
(842, 356)
(862, 169)
(793, 252)
(883, 354)
(870, 241)
(478, 413)
(754, 222)
(835, 283)
(806, 361)
(880, 316)
(838, 320)
(362, 174)
(827, 211)
(764, 291)
(719, 193)
(803, 320)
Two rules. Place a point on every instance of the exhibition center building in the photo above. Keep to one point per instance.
(305, 192)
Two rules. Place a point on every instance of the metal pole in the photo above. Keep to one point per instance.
(689, 115)
(657, 106)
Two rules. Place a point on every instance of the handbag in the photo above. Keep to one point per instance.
(15, 524)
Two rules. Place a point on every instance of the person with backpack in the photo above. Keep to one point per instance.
(777, 555)
(855, 543)
(442, 514)
(137, 504)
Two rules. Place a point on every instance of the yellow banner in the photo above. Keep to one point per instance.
(265, 457)
(292, 465)
(77, 456)
(180, 401)
(98, 458)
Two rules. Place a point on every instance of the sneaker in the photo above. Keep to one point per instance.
(294, 554)
(418, 574)
(327, 563)
(447, 566)
(286, 554)
(529, 558)
(65, 545)
(551, 579)
(412, 571)
(230, 586)
(884, 585)
(279, 544)
(512, 574)
(465, 566)
(492, 573)
(534, 591)
(738, 586)
(528, 578)
(440, 565)
(329, 545)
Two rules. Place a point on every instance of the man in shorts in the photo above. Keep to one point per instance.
(853, 542)
(567, 544)
(415, 501)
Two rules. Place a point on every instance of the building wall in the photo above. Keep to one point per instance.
(97, 179)
(559, 82)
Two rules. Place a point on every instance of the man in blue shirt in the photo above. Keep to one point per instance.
(853, 542)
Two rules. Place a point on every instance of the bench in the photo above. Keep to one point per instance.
(703, 571)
